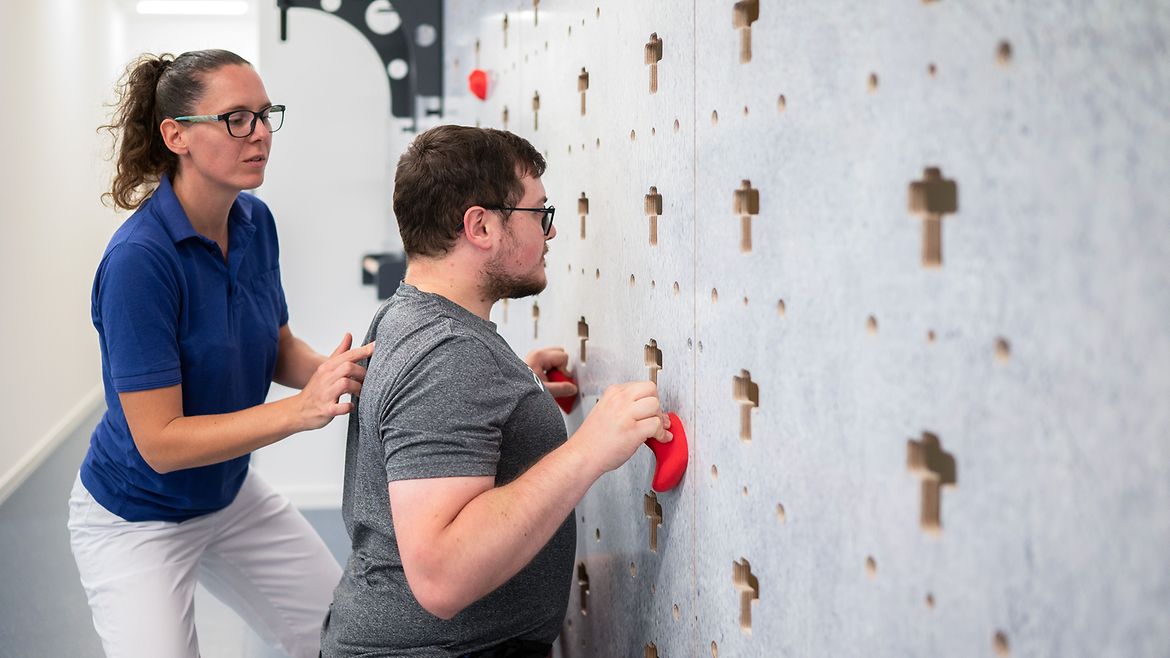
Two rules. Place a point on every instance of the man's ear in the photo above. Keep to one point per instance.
(173, 136)
(480, 227)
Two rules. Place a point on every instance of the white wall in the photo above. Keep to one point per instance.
(58, 62)
(329, 186)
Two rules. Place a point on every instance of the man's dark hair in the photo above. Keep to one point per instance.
(448, 169)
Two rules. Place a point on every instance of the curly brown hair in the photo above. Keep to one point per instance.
(448, 169)
(153, 88)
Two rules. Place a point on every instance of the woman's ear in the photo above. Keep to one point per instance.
(173, 136)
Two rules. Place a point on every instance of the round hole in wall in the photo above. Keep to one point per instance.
(714, 472)
(714, 117)
(782, 103)
(631, 280)
(596, 274)
(745, 491)
(871, 567)
(381, 17)
(653, 284)
(597, 534)
(1003, 350)
(745, 301)
(676, 125)
(653, 131)
(714, 295)
(932, 70)
(425, 35)
(674, 287)
(1001, 644)
(398, 69)
(930, 336)
(745, 110)
(781, 516)
(598, 142)
(675, 612)
(780, 308)
(930, 600)
(633, 135)
(714, 649)
(700, 347)
(1003, 54)
(871, 325)
(873, 82)
(633, 570)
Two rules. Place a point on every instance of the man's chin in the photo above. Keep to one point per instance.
(528, 290)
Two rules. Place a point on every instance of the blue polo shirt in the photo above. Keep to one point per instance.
(169, 310)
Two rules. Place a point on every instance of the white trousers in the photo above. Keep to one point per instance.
(258, 555)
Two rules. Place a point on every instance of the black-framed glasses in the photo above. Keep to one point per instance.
(242, 123)
(546, 218)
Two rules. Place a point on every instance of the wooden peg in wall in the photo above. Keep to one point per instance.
(931, 198)
(746, 204)
(583, 210)
(653, 56)
(583, 86)
(744, 14)
(653, 208)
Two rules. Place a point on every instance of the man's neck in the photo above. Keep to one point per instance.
(447, 278)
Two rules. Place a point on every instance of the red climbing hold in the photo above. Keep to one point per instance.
(566, 402)
(670, 458)
(478, 83)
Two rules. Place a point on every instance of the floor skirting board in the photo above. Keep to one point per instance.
(89, 405)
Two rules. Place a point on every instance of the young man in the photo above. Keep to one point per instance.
(459, 480)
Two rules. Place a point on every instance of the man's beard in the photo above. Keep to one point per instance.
(498, 284)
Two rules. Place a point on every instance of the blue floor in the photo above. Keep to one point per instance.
(43, 611)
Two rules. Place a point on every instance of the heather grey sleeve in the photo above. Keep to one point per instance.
(445, 415)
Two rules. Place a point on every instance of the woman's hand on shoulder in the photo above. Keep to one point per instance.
(340, 374)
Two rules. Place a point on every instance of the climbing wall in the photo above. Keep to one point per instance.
(902, 268)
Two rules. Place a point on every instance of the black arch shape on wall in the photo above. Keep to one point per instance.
(424, 78)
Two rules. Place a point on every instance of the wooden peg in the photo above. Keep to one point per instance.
(931, 198)
(747, 393)
(746, 203)
(583, 86)
(653, 56)
(536, 111)
(653, 207)
(744, 14)
(748, 587)
(928, 462)
(583, 336)
(583, 210)
(653, 512)
(653, 359)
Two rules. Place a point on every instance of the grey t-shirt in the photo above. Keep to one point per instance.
(444, 396)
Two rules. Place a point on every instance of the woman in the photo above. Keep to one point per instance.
(193, 328)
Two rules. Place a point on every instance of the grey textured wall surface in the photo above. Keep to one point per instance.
(1038, 353)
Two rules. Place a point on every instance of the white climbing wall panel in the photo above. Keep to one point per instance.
(959, 396)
